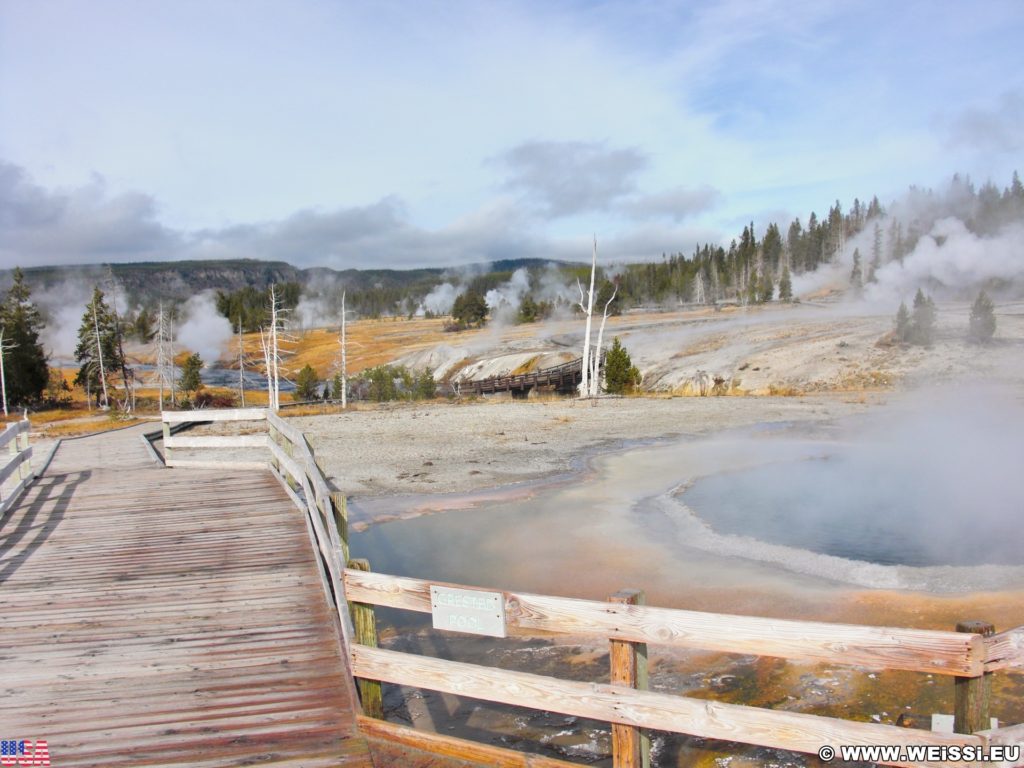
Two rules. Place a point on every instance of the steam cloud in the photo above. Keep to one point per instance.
(948, 261)
(504, 301)
(440, 300)
(955, 260)
(205, 330)
(63, 306)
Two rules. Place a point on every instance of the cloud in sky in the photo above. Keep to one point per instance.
(676, 203)
(572, 177)
(999, 128)
(77, 226)
(455, 130)
(87, 225)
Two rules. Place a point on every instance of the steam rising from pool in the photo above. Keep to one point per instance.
(922, 494)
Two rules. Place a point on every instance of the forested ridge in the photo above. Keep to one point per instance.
(753, 268)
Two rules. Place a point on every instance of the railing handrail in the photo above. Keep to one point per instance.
(962, 654)
(918, 650)
(778, 729)
(12, 430)
(17, 463)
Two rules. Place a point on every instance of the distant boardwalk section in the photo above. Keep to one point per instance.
(152, 616)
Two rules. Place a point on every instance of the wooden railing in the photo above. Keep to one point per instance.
(964, 656)
(16, 472)
(969, 656)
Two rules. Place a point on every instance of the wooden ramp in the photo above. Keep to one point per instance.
(152, 616)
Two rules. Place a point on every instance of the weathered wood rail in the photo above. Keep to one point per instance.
(969, 657)
(16, 472)
(936, 652)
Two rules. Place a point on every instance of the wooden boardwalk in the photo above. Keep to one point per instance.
(152, 616)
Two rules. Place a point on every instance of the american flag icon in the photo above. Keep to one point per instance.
(21, 752)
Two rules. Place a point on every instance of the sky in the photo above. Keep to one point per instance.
(400, 134)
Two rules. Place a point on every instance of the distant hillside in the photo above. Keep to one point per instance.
(148, 282)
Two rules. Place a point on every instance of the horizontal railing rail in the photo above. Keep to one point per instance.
(16, 473)
(918, 650)
(963, 655)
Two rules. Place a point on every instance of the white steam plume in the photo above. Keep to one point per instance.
(205, 330)
(503, 301)
(440, 300)
(952, 260)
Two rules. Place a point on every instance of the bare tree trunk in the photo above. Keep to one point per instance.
(274, 358)
(241, 364)
(3, 377)
(265, 345)
(595, 382)
(99, 353)
(344, 356)
(584, 389)
(129, 393)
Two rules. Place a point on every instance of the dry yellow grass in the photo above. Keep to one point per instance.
(370, 343)
(87, 426)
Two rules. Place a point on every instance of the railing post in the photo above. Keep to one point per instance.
(25, 469)
(272, 432)
(631, 747)
(972, 694)
(365, 624)
(167, 436)
(340, 509)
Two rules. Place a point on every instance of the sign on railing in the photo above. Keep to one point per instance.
(468, 610)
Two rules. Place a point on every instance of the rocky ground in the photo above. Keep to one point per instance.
(442, 448)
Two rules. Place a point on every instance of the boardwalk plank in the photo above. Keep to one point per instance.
(164, 617)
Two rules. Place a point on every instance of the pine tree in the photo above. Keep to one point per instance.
(856, 276)
(620, 374)
(983, 319)
(767, 287)
(425, 386)
(190, 380)
(876, 254)
(785, 286)
(903, 324)
(922, 330)
(528, 310)
(470, 309)
(142, 327)
(25, 371)
(98, 350)
(336, 387)
(307, 385)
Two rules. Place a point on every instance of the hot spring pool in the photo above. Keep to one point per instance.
(843, 504)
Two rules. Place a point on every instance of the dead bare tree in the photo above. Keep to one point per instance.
(588, 310)
(5, 346)
(595, 379)
(99, 355)
(271, 339)
(241, 364)
(164, 356)
(268, 366)
(344, 356)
